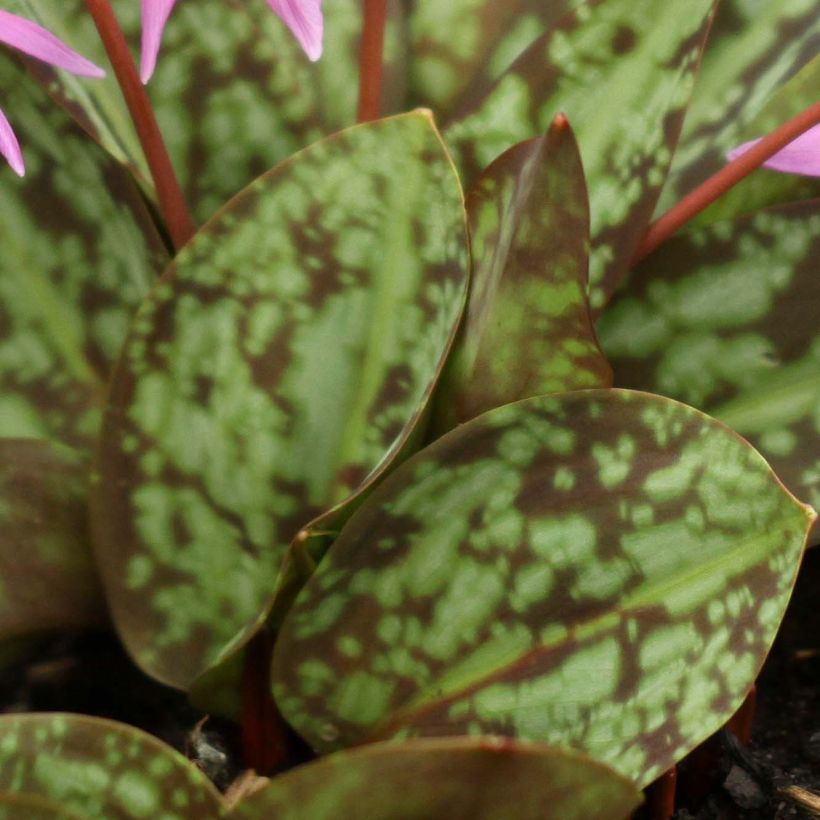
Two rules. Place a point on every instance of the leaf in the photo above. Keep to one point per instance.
(101, 769)
(753, 48)
(449, 779)
(233, 92)
(19, 806)
(724, 317)
(281, 365)
(79, 254)
(527, 328)
(601, 570)
(621, 71)
(47, 576)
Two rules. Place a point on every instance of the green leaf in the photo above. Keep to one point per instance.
(101, 769)
(47, 576)
(79, 254)
(724, 317)
(622, 71)
(280, 366)
(753, 48)
(233, 91)
(446, 779)
(30, 807)
(600, 570)
(527, 328)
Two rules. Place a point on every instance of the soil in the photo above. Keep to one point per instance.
(774, 777)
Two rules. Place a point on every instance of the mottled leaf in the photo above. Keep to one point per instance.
(47, 576)
(725, 317)
(78, 256)
(527, 328)
(753, 48)
(622, 71)
(31, 807)
(279, 367)
(600, 570)
(102, 769)
(234, 93)
(446, 779)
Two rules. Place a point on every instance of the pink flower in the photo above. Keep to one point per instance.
(801, 156)
(302, 17)
(34, 40)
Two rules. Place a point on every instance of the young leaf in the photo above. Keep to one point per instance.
(281, 364)
(600, 570)
(101, 769)
(527, 328)
(47, 576)
(446, 779)
(621, 71)
(724, 317)
(753, 49)
(79, 255)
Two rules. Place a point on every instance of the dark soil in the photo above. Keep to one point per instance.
(90, 673)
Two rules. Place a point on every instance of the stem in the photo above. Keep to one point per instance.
(371, 60)
(718, 184)
(171, 201)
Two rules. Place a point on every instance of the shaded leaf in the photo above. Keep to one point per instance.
(600, 570)
(446, 779)
(753, 48)
(47, 576)
(30, 807)
(724, 317)
(280, 366)
(527, 328)
(102, 769)
(621, 71)
(79, 254)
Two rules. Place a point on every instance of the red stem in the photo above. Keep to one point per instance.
(718, 184)
(171, 201)
(371, 60)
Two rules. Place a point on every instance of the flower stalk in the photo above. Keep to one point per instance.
(172, 205)
(371, 60)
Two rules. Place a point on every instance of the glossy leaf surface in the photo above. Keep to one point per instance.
(233, 91)
(101, 769)
(622, 72)
(279, 366)
(47, 576)
(78, 257)
(446, 779)
(600, 570)
(527, 328)
(725, 317)
(753, 48)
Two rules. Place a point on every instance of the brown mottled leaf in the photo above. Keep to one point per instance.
(600, 570)
(31, 807)
(724, 317)
(47, 576)
(446, 779)
(101, 769)
(281, 365)
(527, 328)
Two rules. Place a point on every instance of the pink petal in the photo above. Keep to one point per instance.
(154, 17)
(9, 147)
(801, 156)
(304, 19)
(34, 40)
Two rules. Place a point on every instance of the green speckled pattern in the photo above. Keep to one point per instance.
(753, 48)
(527, 329)
(78, 257)
(724, 317)
(47, 575)
(279, 365)
(622, 71)
(601, 570)
(446, 779)
(102, 770)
